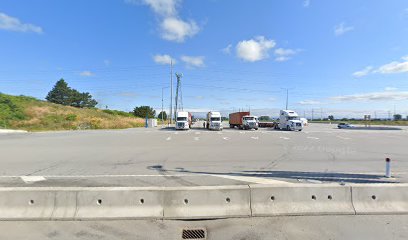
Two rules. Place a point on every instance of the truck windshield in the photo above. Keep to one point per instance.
(214, 119)
(293, 118)
(249, 118)
(181, 119)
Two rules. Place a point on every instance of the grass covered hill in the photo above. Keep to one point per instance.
(28, 113)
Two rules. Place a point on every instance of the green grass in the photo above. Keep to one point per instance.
(28, 113)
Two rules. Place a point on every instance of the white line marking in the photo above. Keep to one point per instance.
(256, 138)
(316, 138)
(219, 132)
(196, 138)
(168, 138)
(285, 138)
(258, 180)
(31, 179)
(242, 132)
(226, 138)
(345, 138)
(176, 133)
(197, 133)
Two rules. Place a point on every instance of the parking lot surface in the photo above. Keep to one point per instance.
(320, 153)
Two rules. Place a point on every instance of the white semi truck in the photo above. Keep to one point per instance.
(214, 121)
(183, 120)
(289, 120)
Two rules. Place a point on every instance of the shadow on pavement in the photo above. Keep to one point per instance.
(293, 175)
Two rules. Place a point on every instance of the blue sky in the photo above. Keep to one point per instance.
(346, 58)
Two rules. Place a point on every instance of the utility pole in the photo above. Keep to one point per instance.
(171, 91)
(312, 113)
(179, 96)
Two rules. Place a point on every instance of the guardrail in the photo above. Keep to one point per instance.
(201, 202)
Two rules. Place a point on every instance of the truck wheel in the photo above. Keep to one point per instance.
(256, 128)
(232, 126)
(287, 128)
(300, 130)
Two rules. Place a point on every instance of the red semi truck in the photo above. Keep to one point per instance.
(243, 120)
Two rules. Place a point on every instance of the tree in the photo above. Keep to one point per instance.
(264, 118)
(331, 117)
(142, 111)
(397, 117)
(82, 100)
(164, 114)
(60, 94)
(64, 95)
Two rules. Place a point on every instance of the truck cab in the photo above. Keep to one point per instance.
(183, 120)
(250, 122)
(289, 120)
(214, 121)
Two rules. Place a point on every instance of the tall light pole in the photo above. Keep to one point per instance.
(287, 96)
(162, 111)
(171, 90)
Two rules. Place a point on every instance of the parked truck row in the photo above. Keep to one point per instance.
(288, 120)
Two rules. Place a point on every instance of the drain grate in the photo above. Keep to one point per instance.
(199, 233)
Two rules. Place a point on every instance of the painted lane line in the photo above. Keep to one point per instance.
(345, 138)
(256, 138)
(284, 138)
(226, 138)
(316, 138)
(198, 133)
(257, 180)
(196, 138)
(176, 133)
(168, 138)
(31, 179)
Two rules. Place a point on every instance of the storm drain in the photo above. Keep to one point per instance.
(198, 233)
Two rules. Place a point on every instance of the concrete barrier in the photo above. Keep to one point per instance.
(297, 199)
(26, 204)
(120, 203)
(199, 202)
(380, 198)
(207, 202)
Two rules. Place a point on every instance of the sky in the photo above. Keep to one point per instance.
(342, 57)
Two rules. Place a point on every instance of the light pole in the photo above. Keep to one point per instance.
(162, 105)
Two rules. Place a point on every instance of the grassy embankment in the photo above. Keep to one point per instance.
(28, 113)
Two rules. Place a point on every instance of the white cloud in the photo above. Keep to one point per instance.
(193, 61)
(163, 59)
(227, 49)
(86, 74)
(160, 7)
(363, 72)
(390, 89)
(284, 54)
(373, 96)
(342, 29)
(172, 27)
(177, 30)
(14, 24)
(394, 67)
(255, 49)
(309, 102)
(306, 3)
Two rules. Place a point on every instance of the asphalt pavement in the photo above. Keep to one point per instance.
(321, 153)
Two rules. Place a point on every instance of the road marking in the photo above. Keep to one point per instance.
(31, 179)
(176, 133)
(285, 138)
(196, 138)
(258, 180)
(316, 138)
(345, 138)
(219, 132)
(241, 132)
(197, 133)
(256, 138)
(226, 138)
(168, 138)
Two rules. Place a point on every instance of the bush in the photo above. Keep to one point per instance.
(71, 117)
